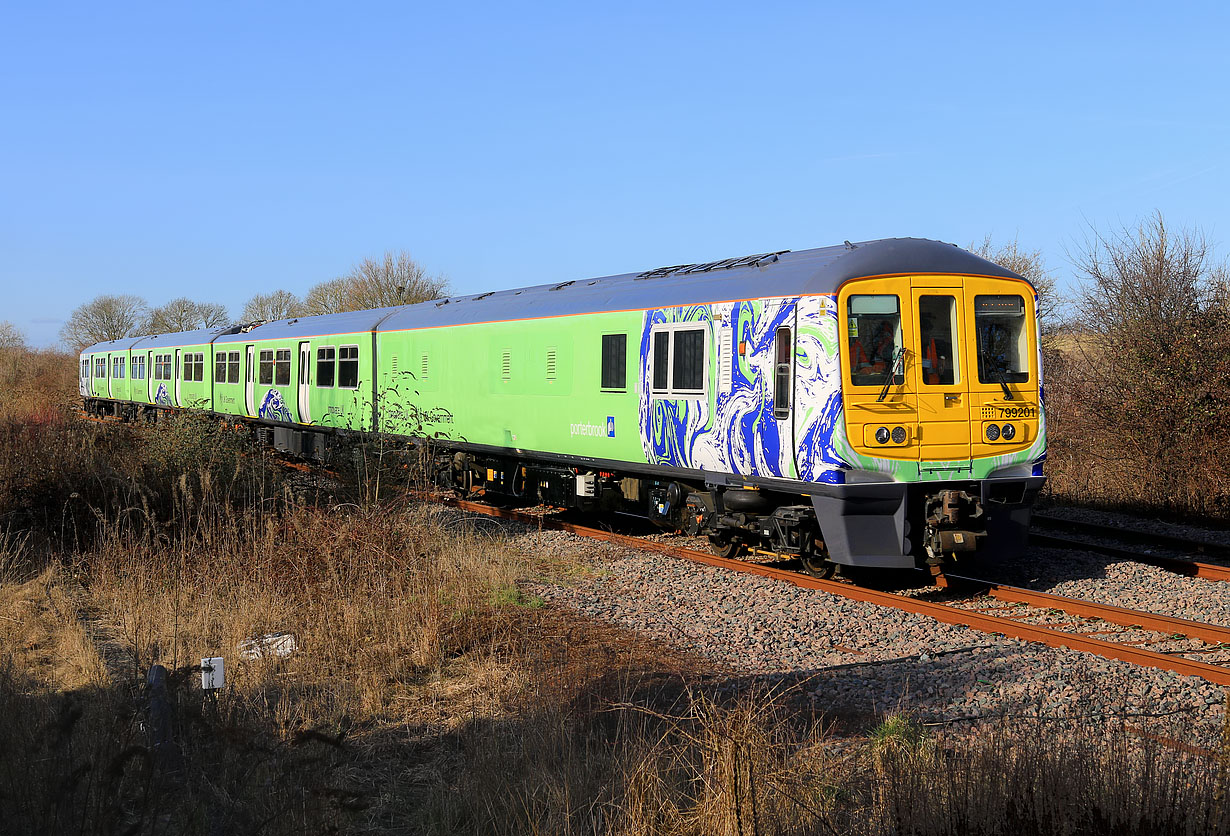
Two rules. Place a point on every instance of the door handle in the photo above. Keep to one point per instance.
(951, 397)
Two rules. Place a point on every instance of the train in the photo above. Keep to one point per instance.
(870, 404)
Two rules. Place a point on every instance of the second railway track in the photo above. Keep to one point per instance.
(1134, 545)
(1103, 630)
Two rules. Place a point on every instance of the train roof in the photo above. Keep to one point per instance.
(122, 344)
(350, 322)
(777, 274)
(175, 339)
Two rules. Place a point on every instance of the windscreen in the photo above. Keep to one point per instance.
(1003, 345)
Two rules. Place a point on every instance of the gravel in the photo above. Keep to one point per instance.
(860, 659)
(1210, 533)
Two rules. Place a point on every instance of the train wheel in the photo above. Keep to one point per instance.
(725, 546)
(816, 562)
(818, 566)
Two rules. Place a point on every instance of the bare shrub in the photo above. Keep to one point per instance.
(1138, 405)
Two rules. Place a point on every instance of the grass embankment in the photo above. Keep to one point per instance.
(428, 694)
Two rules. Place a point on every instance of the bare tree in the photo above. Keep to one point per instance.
(104, 318)
(1147, 394)
(11, 336)
(183, 314)
(1029, 264)
(393, 279)
(281, 304)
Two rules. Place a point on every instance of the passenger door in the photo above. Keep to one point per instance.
(305, 365)
(178, 373)
(939, 375)
(249, 385)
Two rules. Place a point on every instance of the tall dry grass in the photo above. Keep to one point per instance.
(427, 693)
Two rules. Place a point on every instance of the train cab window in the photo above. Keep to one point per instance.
(265, 371)
(281, 367)
(325, 362)
(783, 371)
(614, 362)
(1003, 340)
(348, 367)
(937, 329)
(232, 367)
(873, 326)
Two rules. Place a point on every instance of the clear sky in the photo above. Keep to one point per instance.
(215, 150)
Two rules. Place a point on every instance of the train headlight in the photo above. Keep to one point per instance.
(898, 435)
(992, 432)
(1009, 432)
(882, 435)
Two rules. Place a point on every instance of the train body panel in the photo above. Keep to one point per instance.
(875, 403)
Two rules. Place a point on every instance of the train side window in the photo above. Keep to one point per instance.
(138, 367)
(194, 366)
(123, 362)
(348, 366)
(232, 367)
(688, 361)
(325, 362)
(937, 330)
(281, 367)
(680, 360)
(661, 361)
(873, 326)
(782, 373)
(265, 368)
(615, 362)
(1003, 340)
(220, 367)
(100, 367)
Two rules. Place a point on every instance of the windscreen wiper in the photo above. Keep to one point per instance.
(999, 375)
(892, 373)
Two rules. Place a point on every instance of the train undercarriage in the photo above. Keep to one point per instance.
(889, 525)
(932, 525)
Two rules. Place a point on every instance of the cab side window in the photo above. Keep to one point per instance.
(873, 329)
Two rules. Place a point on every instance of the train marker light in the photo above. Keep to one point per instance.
(1009, 432)
(992, 432)
(882, 435)
(898, 435)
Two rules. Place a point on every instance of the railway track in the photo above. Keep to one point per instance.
(1133, 636)
(1137, 546)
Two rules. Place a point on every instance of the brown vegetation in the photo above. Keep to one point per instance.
(427, 692)
(1138, 388)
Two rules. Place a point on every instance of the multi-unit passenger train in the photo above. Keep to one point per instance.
(873, 404)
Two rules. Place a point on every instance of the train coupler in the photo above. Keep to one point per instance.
(956, 525)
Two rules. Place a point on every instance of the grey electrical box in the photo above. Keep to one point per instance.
(212, 673)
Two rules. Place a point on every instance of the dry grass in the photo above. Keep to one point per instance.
(427, 693)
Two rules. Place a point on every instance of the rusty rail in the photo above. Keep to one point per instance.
(940, 612)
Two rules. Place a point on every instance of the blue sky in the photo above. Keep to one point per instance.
(217, 150)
